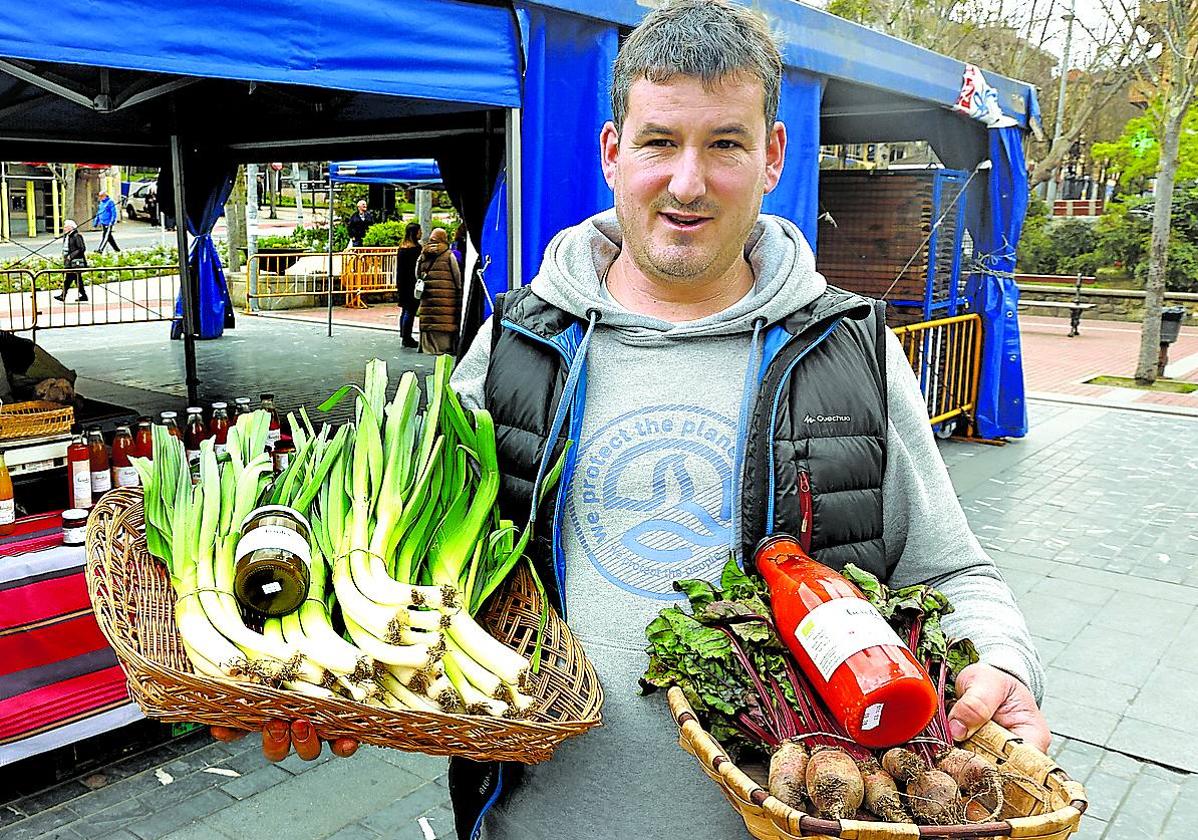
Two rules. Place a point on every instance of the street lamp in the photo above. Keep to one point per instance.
(1051, 191)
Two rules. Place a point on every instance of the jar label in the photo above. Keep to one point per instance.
(836, 629)
(81, 484)
(274, 536)
(101, 482)
(8, 512)
(220, 448)
(125, 476)
(74, 536)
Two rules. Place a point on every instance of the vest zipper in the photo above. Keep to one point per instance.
(777, 400)
(805, 523)
(559, 561)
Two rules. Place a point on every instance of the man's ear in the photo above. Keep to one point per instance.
(609, 150)
(775, 156)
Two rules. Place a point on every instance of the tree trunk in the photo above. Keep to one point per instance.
(1158, 254)
(235, 219)
(68, 191)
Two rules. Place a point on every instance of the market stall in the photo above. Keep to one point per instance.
(59, 680)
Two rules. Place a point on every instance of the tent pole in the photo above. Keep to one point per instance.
(330, 287)
(514, 201)
(190, 327)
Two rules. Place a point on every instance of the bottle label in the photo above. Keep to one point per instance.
(8, 512)
(220, 448)
(282, 459)
(274, 536)
(193, 456)
(836, 629)
(871, 717)
(125, 476)
(273, 436)
(81, 485)
(101, 482)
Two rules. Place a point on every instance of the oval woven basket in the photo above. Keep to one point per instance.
(1043, 803)
(134, 605)
(34, 418)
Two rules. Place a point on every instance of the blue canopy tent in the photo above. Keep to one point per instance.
(297, 82)
(843, 83)
(423, 174)
(487, 104)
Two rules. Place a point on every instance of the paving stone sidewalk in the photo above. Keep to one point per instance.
(1092, 519)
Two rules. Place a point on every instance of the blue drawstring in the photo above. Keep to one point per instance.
(563, 408)
(748, 395)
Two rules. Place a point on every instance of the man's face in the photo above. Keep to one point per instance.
(689, 171)
(361, 206)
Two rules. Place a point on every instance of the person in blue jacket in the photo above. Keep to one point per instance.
(106, 217)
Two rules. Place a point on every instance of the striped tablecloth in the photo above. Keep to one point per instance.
(59, 680)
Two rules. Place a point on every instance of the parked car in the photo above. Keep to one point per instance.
(142, 202)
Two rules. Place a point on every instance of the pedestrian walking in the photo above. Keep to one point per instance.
(106, 216)
(409, 255)
(440, 297)
(74, 255)
(358, 224)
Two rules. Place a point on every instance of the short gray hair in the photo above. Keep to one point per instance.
(703, 39)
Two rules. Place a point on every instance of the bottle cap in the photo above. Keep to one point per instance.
(169, 415)
(194, 409)
(219, 405)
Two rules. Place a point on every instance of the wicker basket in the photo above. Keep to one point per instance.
(134, 605)
(34, 419)
(1042, 802)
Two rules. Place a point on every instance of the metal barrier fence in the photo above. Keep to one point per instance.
(126, 294)
(946, 355)
(355, 273)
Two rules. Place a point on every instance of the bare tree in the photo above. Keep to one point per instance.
(1169, 28)
(1011, 37)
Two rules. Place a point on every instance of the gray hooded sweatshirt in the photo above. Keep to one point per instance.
(653, 499)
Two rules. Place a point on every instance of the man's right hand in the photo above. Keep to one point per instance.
(278, 737)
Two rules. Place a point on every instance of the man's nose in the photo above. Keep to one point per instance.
(688, 182)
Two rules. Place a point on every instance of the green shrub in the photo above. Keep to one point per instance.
(384, 234)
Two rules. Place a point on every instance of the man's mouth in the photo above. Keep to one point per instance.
(684, 221)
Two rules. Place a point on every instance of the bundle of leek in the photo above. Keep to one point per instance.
(407, 525)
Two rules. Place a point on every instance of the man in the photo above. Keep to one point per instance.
(716, 389)
(358, 224)
(74, 251)
(106, 216)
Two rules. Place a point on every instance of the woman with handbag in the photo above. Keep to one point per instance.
(73, 251)
(409, 255)
(439, 289)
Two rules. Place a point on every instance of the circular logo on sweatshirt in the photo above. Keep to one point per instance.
(651, 500)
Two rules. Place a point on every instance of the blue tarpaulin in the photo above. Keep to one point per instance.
(797, 195)
(412, 173)
(1001, 410)
(448, 50)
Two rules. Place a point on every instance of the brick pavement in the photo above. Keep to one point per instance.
(1090, 518)
(1057, 365)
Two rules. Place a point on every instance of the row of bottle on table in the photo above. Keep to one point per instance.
(93, 468)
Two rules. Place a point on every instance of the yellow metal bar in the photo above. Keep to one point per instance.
(30, 210)
(57, 212)
(5, 227)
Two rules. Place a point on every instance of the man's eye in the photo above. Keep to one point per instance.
(659, 143)
(726, 144)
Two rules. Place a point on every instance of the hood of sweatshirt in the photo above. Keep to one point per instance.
(785, 280)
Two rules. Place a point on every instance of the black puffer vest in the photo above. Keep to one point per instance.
(813, 467)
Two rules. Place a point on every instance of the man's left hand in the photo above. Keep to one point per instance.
(986, 693)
